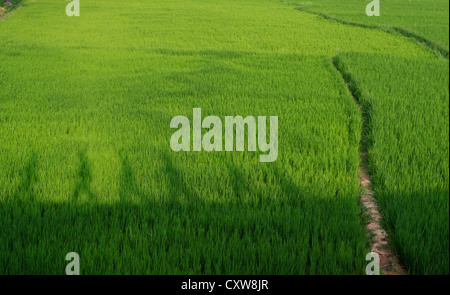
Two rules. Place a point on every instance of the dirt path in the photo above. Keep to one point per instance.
(389, 263)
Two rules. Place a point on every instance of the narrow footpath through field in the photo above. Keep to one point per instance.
(389, 263)
(433, 46)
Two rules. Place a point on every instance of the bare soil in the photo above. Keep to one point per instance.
(389, 263)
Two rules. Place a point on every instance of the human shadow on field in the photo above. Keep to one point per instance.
(176, 184)
(28, 175)
(128, 186)
(84, 178)
(289, 189)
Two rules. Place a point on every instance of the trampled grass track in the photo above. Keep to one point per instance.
(426, 42)
(379, 238)
(408, 152)
(87, 161)
(425, 21)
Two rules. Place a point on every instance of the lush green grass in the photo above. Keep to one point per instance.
(427, 19)
(85, 107)
(408, 146)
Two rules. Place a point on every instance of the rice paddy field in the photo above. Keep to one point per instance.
(86, 164)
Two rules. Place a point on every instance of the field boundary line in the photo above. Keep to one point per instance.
(431, 45)
(389, 263)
